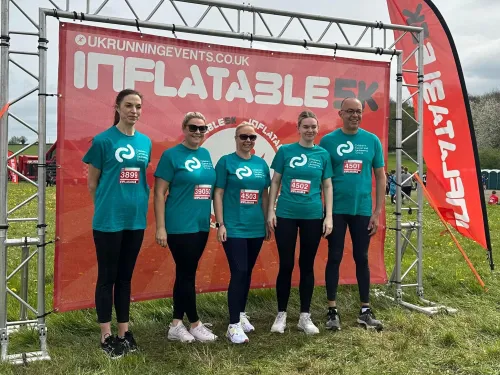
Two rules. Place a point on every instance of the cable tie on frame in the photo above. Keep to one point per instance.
(399, 77)
(41, 226)
(173, 30)
(44, 315)
(393, 54)
(46, 243)
(335, 51)
(82, 17)
(6, 226)
(251, 40)
(137, 25)
(305, 44)
(45, 94)
(75, 16)
(420, 78)
(56, 15)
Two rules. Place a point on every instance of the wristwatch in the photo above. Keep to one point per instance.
(218, 225)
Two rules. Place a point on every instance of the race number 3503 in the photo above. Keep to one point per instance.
(129, 175)
(300, 186)
(202, 191)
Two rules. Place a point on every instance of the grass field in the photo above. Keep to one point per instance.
(465, 343)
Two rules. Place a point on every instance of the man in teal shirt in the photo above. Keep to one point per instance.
(355, 153)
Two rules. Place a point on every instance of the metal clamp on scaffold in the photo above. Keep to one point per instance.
(4, 41)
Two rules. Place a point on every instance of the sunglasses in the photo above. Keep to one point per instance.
(194, 128)
(244, 137)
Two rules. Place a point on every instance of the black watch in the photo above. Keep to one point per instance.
(218, 225)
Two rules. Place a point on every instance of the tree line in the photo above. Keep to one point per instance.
(485, 111)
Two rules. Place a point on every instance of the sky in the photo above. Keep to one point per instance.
(472, 23)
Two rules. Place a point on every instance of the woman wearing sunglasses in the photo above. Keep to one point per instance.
(240, 204)
(187, 173)
(303, 170)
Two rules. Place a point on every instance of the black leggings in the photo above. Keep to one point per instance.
(286, 239)
(358, 228)
(186, 250)
(241, 255)
(116, 256)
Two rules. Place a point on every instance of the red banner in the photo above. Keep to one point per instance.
(450, 150)
(12, 162)
(228, 85)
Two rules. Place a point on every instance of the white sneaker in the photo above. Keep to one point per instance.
(279, 324)
(235, 334)
(245, 323)
(306, 324)
(179, 333)
(202, 333)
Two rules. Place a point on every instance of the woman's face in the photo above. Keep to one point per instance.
(130, 109)
(194, 131)
(245, 138)
(308, 129)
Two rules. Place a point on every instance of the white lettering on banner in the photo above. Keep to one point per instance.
(270, 88)
(433, 91)
(166, 51)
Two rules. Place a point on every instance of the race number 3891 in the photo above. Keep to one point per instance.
(129, 175)
(203, 192)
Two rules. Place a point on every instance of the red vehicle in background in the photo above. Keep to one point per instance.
(28, 166)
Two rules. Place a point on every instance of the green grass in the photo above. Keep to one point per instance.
(33, 150)
(465, 343)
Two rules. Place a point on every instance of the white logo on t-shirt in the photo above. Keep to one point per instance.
(124, 153)
(243, 172)
(345, 148)
(192, 164)
(298, 161)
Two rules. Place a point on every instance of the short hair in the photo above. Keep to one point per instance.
(242, 125)
(306, 114)
(191, 115)
(351, 97)
(494, 192)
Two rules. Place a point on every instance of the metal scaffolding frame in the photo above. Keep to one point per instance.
(35, 316)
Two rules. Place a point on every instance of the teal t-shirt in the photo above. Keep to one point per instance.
(192, 177)
(243, 182)
(353, 158)
(303, 170)
(122, 194)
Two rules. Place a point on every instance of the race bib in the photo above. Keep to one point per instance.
(249, 196)
(203, 192)
(353, 166)
(129, 175)
(300, 186)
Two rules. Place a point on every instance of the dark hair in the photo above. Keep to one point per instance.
(119, 99)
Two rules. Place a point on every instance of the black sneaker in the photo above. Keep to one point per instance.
(112, 348)
(333, 320)
(368, 320)
(132, 344)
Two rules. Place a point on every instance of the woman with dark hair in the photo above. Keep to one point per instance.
(186, 172)
(303, 172)
(117, 162)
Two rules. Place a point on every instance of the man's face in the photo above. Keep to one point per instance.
(351, 113)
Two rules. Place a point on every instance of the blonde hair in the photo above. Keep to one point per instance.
(306, 114)
(191, 115)
(242, 125)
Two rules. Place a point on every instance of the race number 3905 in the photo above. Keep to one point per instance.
(203, 192)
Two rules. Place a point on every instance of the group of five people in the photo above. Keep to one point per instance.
(316, 191)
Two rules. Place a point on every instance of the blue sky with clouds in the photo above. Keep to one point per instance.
(473, 24)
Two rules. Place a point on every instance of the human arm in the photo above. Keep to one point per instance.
(328, 194)
(265, 205)
(219, 214)
(93, 180)
(271, 215)
(380, 199)
(161, 188)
